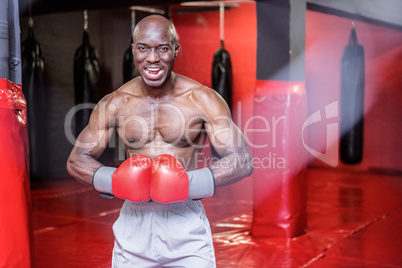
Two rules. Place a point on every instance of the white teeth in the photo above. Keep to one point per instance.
(152, 71)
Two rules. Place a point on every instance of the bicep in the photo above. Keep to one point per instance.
(94, 138)
(90, 144)
(224, 135)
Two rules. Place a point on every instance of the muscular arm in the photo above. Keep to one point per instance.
(228, 141)
(90, 144)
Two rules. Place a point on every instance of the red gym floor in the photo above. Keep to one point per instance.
(354, 220)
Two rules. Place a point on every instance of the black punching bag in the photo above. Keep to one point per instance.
(352, 101)
(129, 71)
(33, 87)
(222, 74)
(222, 79)
(86, 76)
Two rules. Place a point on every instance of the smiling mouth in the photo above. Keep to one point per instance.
(153, 71)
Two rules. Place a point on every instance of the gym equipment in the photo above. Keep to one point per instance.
(34, 89)
(16, 235)
(129, 181)
(352, 101)
(222, 69)
(163, 180)
(16, 242)
(222, 74)
(171, 183)
(86, 77)
(129, 71)
(279, 210)
(222, 65)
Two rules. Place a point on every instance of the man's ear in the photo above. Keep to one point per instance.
(176, 50)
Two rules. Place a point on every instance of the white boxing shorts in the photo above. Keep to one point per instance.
(152, 234)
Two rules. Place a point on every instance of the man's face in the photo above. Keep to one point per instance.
(154, 52)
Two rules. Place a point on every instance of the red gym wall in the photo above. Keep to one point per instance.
(326, 36)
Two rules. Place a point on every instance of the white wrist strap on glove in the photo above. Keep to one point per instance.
(102, 181)
(202, 183)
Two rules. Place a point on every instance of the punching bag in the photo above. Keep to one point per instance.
(16, 237)
(86, 76)
(222, 79)
(10, 46)
(129, 71)
(33, 81)
(222, 74)
(280, 110)
(16, 242)
(352, 101)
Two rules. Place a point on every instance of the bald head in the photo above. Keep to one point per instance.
(156, 22)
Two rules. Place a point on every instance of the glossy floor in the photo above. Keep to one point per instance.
(354, 220)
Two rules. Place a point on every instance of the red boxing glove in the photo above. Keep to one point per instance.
(169, 180)
(131, 180)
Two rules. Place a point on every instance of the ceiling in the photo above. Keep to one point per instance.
(53, 6)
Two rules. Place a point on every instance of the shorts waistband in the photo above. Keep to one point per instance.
(156, 206)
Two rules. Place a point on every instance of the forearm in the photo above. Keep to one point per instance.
(82, 167)
(232, 168)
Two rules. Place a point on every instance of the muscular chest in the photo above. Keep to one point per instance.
(174, 123)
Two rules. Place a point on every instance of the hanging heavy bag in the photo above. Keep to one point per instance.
(222, 74)
(86, 76)
(129, 71)
(352, 101)
(222, 78)
(16, 241)
(33, 87)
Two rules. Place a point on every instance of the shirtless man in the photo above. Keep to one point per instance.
(163, 118)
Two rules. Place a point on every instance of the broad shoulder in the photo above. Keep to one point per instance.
(205, 98)
(115, 101)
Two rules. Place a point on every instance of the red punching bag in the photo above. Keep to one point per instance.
(15, 200)
(16, 242)
(280, 110)
(279, 180)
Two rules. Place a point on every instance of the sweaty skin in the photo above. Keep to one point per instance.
(161, 112)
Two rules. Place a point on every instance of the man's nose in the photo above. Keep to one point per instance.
(153, 56)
